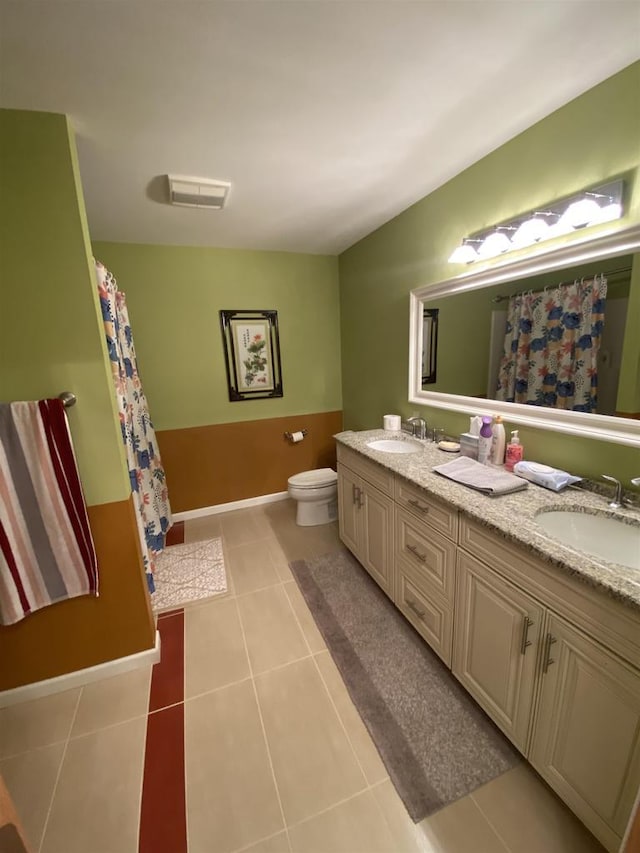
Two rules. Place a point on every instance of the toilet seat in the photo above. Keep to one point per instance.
(314, 479)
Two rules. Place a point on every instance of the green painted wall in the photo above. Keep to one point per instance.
(595, 137)
(50, 330)
(174, 294)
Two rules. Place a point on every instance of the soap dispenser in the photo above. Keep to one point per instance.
(515, 451)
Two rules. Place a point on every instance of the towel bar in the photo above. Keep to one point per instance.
(68, 399)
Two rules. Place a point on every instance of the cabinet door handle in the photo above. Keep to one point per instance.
(417, 505)
(416, 553)
(357, 496)
(354, 492)
(413, 606)
(548, 660)
(526, 624)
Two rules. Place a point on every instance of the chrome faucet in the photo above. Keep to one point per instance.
(418, 427)
(619, 498)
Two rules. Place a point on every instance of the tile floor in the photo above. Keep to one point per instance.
(275, 756)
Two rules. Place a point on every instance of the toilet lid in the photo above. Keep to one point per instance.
(310, 479)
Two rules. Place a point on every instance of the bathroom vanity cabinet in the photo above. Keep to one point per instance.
(365, 515)
(550, 660)
(555, 662)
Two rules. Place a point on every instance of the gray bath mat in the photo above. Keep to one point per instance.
(435, 741)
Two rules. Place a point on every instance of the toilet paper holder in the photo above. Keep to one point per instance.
(290, 435)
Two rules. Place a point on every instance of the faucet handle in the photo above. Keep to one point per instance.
(635, 481)
(616, 503)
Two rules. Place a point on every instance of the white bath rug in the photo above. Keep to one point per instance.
(188, 572)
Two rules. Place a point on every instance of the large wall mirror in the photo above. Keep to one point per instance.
(472, 315)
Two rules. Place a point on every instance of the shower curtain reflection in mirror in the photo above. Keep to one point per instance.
(551, 346)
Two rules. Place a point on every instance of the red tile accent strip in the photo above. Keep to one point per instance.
(163, 818)
(166, 613)
(175, 535)
(167, 681)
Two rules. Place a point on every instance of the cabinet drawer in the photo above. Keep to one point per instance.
(437, 515)
(431, 616)
(375, 474)
(431, 555)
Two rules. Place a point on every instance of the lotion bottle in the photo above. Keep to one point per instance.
(514, 451)
(484, 441)
(498, 442)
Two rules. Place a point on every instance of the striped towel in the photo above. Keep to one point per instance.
(46, 548)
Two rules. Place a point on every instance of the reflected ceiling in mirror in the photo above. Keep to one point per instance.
(466, 315)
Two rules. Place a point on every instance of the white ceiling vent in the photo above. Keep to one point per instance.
(197, 192)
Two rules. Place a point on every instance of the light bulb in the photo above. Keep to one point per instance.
(464, 254)
(581, 213)
(609, 213)
(494, 244)
(531, 231)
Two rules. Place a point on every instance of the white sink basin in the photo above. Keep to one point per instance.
(597, 535)
(395, 445)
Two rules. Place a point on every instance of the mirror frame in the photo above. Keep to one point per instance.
(599, 427)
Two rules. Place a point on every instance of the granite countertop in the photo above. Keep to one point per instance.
(512, 516)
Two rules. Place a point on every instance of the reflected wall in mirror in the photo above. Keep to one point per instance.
(472, 316)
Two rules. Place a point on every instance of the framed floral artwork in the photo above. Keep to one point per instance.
(252, 354)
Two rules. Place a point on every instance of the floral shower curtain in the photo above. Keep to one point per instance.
(146, 473)
(551, 346)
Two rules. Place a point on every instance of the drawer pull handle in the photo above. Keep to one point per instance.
(416, 553)
(417, 505)
(413, 606)
(526, 624)
(548, 660)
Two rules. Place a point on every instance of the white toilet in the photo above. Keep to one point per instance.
(317, 495)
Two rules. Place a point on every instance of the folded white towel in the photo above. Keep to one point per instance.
(491, 481)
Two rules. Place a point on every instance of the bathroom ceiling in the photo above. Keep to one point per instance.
(328, 117)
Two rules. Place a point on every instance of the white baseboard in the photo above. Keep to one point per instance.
(81, 676)
(214, 510)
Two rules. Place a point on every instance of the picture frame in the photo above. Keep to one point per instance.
(252, 354)
(429, 344)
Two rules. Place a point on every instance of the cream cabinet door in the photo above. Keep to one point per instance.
(349, 491)
(586, 740)
(496, 641)
(377, 537)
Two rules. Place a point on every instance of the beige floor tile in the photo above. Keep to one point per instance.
(529, 816)
(207, 527)
(112, 700)
(307, 622)
(314, 764)
(356, 826)
(460, 828)
(363, 745)
(40, 722)
(244, 526)
(276, 844)
(97, 800)
(215, 652)
(231, 796)
(253, 566)
(271, 629)
(407, 837)
(30, 779)
(280, 560)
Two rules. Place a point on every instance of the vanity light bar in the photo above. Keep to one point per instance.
(602, 203)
